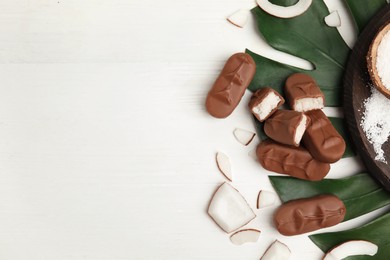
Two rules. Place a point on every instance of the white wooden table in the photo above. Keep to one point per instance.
(106, 151)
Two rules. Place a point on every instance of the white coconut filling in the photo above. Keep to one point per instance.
(265, 107)
(300, 130)
(307, 104)
(229, 209)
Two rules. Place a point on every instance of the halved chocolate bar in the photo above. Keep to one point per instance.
(265, 102)
(303, 93)
(286, 126)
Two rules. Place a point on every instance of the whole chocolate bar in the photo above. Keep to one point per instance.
(305, 215)
(230, 85)
(303, 93)
(286, 126)
(264, 102)
(290, 160)
(322, 139)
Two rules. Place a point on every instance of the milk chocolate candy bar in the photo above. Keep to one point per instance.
(303, 93)
(264, 102)
(322, 139)
(290, 160)
(230, 85)
(305, 215)
(286, 126)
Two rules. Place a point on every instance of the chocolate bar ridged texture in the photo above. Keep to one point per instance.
(300, 86)
(305, 215)
(259, 97)
(294, 161)
(322, 139)
(282, 126)
(230, 85)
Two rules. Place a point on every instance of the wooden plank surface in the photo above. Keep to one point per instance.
(106, 151)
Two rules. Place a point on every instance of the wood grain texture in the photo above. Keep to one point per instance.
(356, 90)
(106, 150)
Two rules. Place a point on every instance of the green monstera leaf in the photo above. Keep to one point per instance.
(363, 10)
(308, 37)
(360, 193)
(377, 232)
(338, 123)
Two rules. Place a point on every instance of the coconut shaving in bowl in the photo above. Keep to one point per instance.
(376, 122)
(383, 62)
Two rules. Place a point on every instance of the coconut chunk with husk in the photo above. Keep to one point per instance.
(245, 236)
(264, 102)
(277, 251)
(229, 209)
(239, 18)
(333, 19)
(244, 137)
(265, 199)
(224, 166)
(303, 94)
(351, 248)
(284, 11)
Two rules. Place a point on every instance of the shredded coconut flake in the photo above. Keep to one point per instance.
(383, 61)
(376, 122)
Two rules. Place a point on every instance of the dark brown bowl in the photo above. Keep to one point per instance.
(356, 90)
(372, 58)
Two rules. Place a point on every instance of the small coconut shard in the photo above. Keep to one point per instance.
(224, 166)
(265, 199)
(277, 251)
(245, 236)
(284, 11)
(333, 19)
(245, 137)
(239, 18)
(229, 209)
(351, 248)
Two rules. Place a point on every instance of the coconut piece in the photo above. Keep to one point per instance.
(265, 199)
(351, 248)
(302, 93)
(245, 236)
(286, 127)
(264, 102)
(277, 251)
(243, 136)
(224, 166)
(377, 61)
(239, 18)
(333, 19)
(229, 209)
(284, 11)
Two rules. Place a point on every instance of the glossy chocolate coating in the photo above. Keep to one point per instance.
(259, 96)
(322, 139)
(290, 160)
(282, 126)
(230, 85)
(305, 215)
(301, 85)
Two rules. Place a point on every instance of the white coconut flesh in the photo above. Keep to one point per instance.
(351, 248)
(265, 107)
(229, 209)
(245, 236)
(284, 11)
